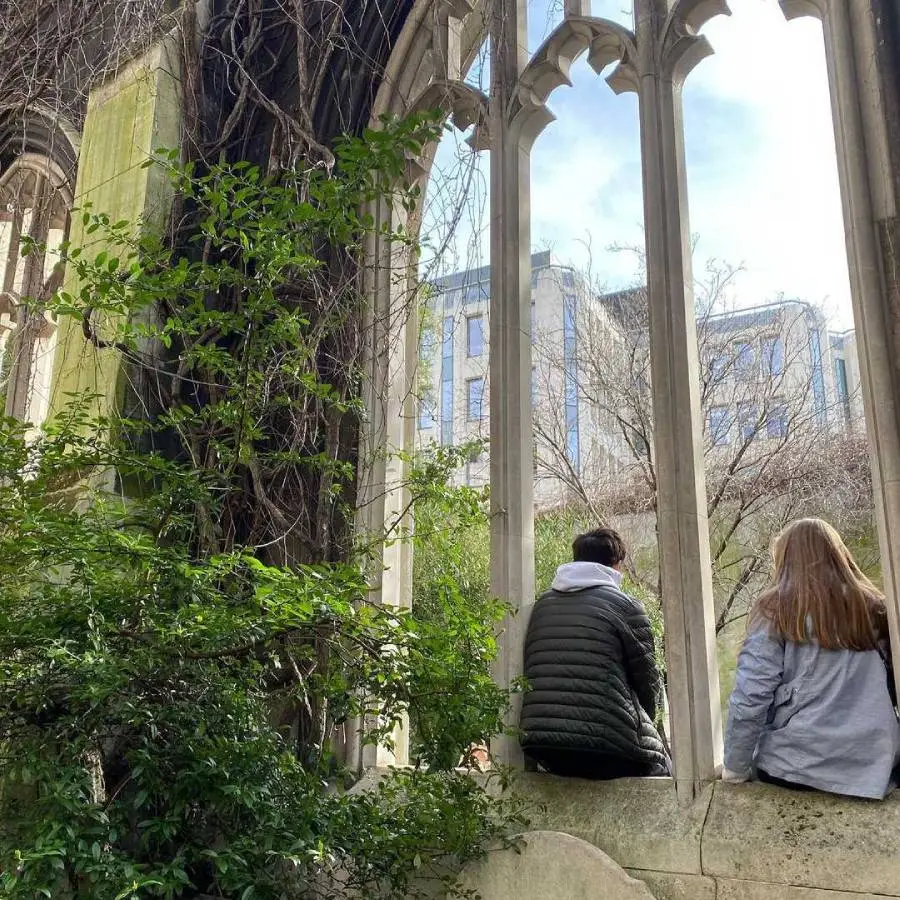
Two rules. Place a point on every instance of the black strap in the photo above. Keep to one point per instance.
(889, 670)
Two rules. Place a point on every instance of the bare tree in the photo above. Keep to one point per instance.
(775, 440)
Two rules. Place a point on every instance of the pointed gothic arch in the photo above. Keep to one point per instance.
(38, 158)
(653, 59)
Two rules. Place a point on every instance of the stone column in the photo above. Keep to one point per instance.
(128, 117)
(424, 74)
(30, 318)
(574, 8)
(386, 438)
(666, 48)
(512, 443)
(862, 75)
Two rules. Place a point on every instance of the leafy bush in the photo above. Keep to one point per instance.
(452, 559)
(452, 602)
(176, 658)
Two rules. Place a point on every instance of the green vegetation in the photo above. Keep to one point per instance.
(177, 655)
(553, 535)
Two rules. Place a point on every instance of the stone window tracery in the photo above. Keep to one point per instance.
(34, 205)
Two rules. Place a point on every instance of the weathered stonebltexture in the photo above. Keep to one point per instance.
(669, 886)
(550, 864)
(640, 823)
(128, 118)
(735, 842)
(754, 890)
(760, 833)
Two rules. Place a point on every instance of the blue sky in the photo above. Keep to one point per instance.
(762, 172)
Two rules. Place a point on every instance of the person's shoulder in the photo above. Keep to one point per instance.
(611, 596)
(621, 596)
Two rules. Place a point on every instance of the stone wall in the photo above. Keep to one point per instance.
(128, 118)
(633, 839)
(735, 842)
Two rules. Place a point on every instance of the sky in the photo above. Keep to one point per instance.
(762, 171)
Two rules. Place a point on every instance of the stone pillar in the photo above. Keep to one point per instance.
(666, 48)
(862, 75)
(133, 114)
(575, 8)
(424, 76)
(47, 210)
(386, 438)
(511, 436)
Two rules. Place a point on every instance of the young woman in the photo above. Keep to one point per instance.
(812, 706)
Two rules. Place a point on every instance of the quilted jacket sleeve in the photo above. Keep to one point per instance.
(640, 658)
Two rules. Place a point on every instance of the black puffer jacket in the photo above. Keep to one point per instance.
(593, 685)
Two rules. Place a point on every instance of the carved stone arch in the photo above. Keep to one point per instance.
(683, 47)
(42, 133)
(411, 66)
(796, 9)
(38, 161)
(604, 41)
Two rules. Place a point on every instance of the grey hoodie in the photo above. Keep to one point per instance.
(576, 576)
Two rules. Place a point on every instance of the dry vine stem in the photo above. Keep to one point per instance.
(258, 82)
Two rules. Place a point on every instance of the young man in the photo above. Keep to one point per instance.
(593, 685)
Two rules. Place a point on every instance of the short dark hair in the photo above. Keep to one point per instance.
(603, 545)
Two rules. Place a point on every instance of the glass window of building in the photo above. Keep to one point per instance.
(474, 399)
(475, 335)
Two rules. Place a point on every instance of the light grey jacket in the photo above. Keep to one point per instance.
(821, 718)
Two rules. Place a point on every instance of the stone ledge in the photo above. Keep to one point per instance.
(760, 833)
(736, 842)
(639, 822)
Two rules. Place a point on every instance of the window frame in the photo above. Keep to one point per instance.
(717, 437)
(470, 384)
(470, 321)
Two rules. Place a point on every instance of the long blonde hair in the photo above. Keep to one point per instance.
(820, 593)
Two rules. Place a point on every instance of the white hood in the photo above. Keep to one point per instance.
(576, 576)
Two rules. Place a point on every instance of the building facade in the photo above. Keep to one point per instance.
(454, 406)
(772, 377)
(774, 373)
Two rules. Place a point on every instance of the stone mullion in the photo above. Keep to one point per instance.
(12, 254)
(511, 433)
(30, 321)
(685, 570)
(382, 490)
(869, 199)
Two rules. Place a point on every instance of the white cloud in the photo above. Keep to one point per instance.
(775, 204)
(761, 161)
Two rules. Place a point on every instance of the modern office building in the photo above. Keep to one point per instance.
(765, 372)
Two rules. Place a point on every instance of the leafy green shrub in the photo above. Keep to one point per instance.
(173, 669)
(452, 602)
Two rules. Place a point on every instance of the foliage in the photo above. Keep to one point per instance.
(453, 602)
(457, 552)
(176, 659)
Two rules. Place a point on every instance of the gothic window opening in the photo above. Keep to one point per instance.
(34, 222)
